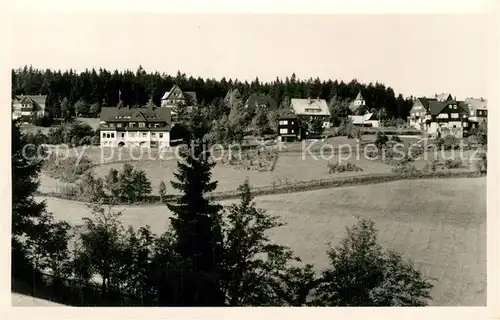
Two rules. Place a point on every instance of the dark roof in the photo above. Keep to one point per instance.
(136, 114)
(256, 99)
(425, 102)
(435, 107)
(191, 94)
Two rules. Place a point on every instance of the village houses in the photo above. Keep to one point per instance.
(444, 115)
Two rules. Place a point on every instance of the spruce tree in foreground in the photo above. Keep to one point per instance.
(258, 272)
(196, 222)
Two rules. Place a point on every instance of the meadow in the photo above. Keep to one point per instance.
(439, 224)
(299, 161)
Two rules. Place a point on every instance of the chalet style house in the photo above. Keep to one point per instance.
(478, 110)
(309, 109)
(28, 108)
(147, 126)
(441, 115)
(357, 104)
(178, 100)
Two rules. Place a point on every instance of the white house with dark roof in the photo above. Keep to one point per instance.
(147, 126)
(176, 98)
(308, 109)
(28, 107)
(358, 102)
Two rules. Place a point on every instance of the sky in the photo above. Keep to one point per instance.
(414, 54)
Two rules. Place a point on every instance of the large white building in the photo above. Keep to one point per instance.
(141, 127)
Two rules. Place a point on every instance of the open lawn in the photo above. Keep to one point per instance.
(290, 167)
(439, 224)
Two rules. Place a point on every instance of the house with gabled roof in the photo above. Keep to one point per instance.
(369, 119)
(309, 109)
(232, 95)
(176, 98)
(147, 126)
(448, 117)
(357, 103)
(257, 100)
(478, 110)
(419, 111)
(444, 96)
(28, 107)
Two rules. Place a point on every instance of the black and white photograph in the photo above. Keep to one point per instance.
(249, 160)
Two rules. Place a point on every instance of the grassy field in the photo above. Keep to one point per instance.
(294, 163)
(439, 224)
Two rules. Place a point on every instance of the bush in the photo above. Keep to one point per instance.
(481, 164)
(381, 139)
(430, 166)
(95, 141)
(45, 121)
(68, 169)
(407, 169)
(447, 143)
(453, 164)
(342, 167)
(396, 138)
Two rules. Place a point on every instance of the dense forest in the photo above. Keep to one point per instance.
(105, 88)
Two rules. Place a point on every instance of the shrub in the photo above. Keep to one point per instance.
(481, 164)
(95, 140)
(341, 167)
(447, 143)
(453, 164)
(396, 138)
(381, 139)
(68, 169)
(407, 169)
(430, 166)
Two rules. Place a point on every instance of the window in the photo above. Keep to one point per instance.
(283, 131)
(443, 116)
(465, 124)
(112, 135)
(144, 134)
(107, 135)
(142, 125)
(123, 134)
(119, 125)
(149, 125)
(104, 135)
(161, 135)
(153, 134)
(157, 125)
(283, 122)
(132, 124)
(454, 116)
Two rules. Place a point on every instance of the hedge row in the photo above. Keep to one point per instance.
(305, 185)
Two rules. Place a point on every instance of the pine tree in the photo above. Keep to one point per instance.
(196, 222)
(25, 209)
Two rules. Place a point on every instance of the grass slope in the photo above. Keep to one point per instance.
(439, 224)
